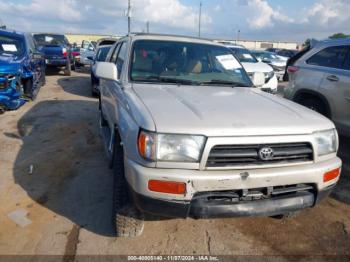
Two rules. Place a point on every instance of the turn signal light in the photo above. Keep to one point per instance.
(167, 187)
(330, 175)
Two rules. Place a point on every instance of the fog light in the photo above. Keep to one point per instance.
(167, 187)
(330, 175)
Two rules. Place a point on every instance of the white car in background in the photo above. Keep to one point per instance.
(252, 65)
(273, 60)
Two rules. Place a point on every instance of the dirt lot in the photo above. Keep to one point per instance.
(64, 206)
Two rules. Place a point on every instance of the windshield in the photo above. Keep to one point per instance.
(244, 55)
(102, 53)
(50, 39)
(11, 46)
(185, 63)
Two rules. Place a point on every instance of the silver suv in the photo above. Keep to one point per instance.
(320, 80)
(189, 136)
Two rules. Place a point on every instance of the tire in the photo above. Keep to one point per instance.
(93, 92)
(73, 65)
(2, 109)
(28, 88)
(127, 219)
(315, 104)
(289, 215)
(68, 69)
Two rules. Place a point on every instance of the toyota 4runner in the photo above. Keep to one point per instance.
(188, 135)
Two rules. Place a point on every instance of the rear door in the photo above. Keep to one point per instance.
(335, 84)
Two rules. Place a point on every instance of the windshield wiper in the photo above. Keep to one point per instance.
(224, 82)
(168, 80)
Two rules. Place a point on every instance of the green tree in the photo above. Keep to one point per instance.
(338, 35)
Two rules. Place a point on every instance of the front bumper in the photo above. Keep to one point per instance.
(271, 85)
(201, 207)
(199, 184)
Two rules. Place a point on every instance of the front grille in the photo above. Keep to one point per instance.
(242, 155)
(253, 194)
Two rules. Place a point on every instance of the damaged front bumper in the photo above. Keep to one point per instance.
(10, 97)
(217, 204)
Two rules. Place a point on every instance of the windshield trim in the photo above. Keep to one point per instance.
(130, 58)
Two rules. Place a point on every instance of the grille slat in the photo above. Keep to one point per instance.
(236, 155)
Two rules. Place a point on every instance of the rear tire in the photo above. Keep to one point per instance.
(315, 104)
(128, 220)
(2, 109)
(68, 69)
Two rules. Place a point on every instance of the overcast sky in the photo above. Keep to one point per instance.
(285, 20)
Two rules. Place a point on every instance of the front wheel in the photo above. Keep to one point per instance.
(316, 105)
(128, 220)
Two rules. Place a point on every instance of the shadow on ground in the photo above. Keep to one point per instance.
(342, 191)
(76, 85)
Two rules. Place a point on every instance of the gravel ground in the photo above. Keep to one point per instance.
(63, 206)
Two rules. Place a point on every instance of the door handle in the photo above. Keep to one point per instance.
(333, 78)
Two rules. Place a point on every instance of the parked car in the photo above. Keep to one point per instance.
(22, 69)
(189, 136)
(320, 80)
(57, 51)
(100, 56)
(278, 64)
(89, 48)
(252, 65)
(283, 53)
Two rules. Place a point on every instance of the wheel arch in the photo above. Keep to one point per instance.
(305, 93)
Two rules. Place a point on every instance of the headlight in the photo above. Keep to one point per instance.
(170, 147)
(327, 142)
(269, 75)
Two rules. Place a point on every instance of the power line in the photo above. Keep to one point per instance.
(199, 20)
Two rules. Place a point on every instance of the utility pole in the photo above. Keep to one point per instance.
(129, 16)
(147, 27)
(200, 18)
(238, 35)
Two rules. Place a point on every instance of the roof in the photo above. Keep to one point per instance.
(11, 33)
(169, 37)
(329, 42)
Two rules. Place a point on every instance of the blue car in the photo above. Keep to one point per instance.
(57, 51)
(100, 56)
(22, 69)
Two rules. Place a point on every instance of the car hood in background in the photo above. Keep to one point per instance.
(226, 111)
(279, 62)
(257, 67)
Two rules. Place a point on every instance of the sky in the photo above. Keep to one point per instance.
(277, 20)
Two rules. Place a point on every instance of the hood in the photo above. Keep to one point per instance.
(279, 62)
(257, 67)
(226, 111)
(9, 64)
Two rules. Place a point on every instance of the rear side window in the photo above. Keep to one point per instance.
(347, 61)
(121, 58)
(115, 53)
(333, 57)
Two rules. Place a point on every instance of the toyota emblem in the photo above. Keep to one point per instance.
(266, 153)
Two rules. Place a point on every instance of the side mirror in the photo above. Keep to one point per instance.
(90, 58)
(258, 79)
(106, 70)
